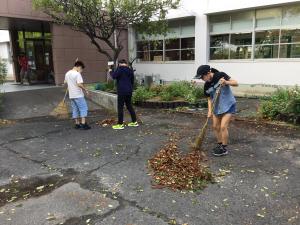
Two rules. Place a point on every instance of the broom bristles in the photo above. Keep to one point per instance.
(200, 137)
(61, 111)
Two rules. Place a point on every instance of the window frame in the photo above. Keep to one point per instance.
(165, 38)
(253, 30)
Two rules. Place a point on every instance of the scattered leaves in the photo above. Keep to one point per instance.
(260, 215)
(40, 188)
(6, 122)
(50, 217)
(107, 122)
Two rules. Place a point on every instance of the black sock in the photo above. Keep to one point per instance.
(224, 146)
(220, 143)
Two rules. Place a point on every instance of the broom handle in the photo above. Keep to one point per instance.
(198, 140)
(216, 98)
(65, 95)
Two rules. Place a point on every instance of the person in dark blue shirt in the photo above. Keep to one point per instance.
(125, 81)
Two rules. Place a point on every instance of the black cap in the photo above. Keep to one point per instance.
(202, 70)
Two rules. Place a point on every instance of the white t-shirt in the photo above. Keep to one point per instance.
(73, 78)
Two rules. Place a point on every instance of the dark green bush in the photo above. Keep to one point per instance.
(281, 102)
(108, 86)
(99, 87)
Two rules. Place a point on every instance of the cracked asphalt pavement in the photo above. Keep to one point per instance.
(51, 173)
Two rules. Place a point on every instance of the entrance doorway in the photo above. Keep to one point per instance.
(37, 48)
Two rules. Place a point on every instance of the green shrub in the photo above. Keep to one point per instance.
(3, 71)
(281, 102)
(158, 89)
(3, 74)
(178, 89)
(142, 94)
(190, 92)
(98, 87)
(166, 96)
(108, 86)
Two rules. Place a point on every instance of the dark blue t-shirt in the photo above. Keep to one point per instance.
(217, 76)
(125, 80)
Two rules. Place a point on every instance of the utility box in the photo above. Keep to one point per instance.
(148, 81)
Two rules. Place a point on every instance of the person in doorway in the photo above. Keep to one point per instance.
(76, 90)
(125, 81)
(23, 63)
(225, 105)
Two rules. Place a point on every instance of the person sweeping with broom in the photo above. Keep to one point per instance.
(74, 81)
(221, 104)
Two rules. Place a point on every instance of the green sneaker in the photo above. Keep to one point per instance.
(133, 124)
(118, 127)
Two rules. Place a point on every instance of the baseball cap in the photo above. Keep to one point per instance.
(202, 70)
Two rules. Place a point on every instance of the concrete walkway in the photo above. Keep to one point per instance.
(38, 102)
(15, 87)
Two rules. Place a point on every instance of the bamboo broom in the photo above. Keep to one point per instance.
(200, 138)
(61, 111)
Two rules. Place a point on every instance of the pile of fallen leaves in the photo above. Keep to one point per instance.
(173, 170)
(107, 122)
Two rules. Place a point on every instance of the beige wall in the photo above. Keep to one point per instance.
(68, 45)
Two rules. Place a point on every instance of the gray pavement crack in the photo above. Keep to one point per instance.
(89, 182)
(135, 153)
(32, 137)
(24, 156)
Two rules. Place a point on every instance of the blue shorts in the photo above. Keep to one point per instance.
(79, 108)
(231, 110)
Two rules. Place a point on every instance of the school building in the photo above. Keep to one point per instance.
(255, 42)
(51, 49)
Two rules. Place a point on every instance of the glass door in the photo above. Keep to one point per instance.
(39, 53)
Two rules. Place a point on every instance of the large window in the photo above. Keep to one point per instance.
(256, 34)
(188, 48)
(177, 45)
(290, 43)
(156, 50)
(172, 49)
(143, 52)
(219, 46)
(266, 44)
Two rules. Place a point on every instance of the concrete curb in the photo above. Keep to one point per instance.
(105, 99)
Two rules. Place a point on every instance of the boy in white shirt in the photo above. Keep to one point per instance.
(74, 81)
